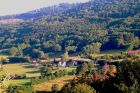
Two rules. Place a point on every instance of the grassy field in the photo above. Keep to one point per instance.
(19, 82)
(108, 53)
(22, 68)
(112, 51)
(46, 86)
(2, 57)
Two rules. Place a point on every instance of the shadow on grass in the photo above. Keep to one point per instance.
(26, 84)
(29, 66)
(42, 92)
(32, 72)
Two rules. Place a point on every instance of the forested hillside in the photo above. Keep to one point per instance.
(89, 27)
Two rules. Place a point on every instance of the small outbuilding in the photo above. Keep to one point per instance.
(71, 63)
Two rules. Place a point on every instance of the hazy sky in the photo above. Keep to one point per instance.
(19, 6)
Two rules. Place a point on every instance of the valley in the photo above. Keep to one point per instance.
(91, 47)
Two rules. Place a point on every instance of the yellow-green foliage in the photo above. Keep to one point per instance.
(83, 88)
(3, 57)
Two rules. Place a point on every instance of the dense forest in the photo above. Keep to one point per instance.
(89, 27)
(103, 81)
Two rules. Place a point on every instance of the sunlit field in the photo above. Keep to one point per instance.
(22, 68)
(46, 86)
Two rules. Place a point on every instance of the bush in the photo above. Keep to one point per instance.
(19, 76)
(83, 88)
(53, 77)
(38, 80)
(77, 88)
(20, 89)
(55, 88)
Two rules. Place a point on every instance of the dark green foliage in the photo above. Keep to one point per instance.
(90, 66)
(126, 80)
(39, 80)
(93, 48)
(37, 54)
(89, 27)
(19, 59)
(19, 76)
(53, 77)
(56, 48)
(112, 23)
(57, 74)
(71, 49)
(46, 75)
(73, 72)
(20, 89)
(78, 88)
(83, 69)
(55, 88)
(45, 71)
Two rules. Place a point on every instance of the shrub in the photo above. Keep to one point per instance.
(20, 89)
(83, 88)
(55, 88)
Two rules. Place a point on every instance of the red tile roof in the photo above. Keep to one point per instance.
(134, 52)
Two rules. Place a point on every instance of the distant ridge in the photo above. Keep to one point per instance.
(11, 21)
(51, 10)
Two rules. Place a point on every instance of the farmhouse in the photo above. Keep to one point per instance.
(61, 64)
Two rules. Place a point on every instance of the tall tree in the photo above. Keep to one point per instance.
(92, 48)
(13, 51)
